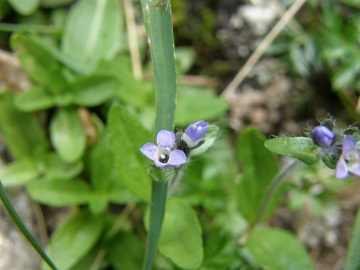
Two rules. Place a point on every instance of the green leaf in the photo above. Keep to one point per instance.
(126, 137)
(260, 166)
(67, 134)
(74, 239)
(24, 7)
(60, 192)
(352, 261)
(180, 238)
(35, 60)
(92, 32)
(98, 203)
(93, 90)
(5, 8)
(184, 59)
(204, 102)
(56, 168)
(125, 251)
(34, 99)
(19, 172)
(300, 148)
(276, 249)
(54, 3)
(23, 135)
(129, 89)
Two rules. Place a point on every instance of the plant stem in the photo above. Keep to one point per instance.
(158, 24)
(17, 220)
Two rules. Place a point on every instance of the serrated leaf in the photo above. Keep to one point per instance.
(180, 238)
(74, 239)
(352, 261)
(276, 249)
(60, 192)
(67, 134)
(92, 32)
(126, 137)
(24, 7)
(34, 99)
(300, 148)
(260, 166)
(204, 102)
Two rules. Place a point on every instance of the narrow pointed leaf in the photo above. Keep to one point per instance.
(19, 172)
(34, 99)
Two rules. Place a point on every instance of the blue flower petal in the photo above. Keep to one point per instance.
(341, 168)
(177, 157)
(165, 139)
(149, 150)
(349, 144)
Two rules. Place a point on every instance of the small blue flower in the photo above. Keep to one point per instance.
(194, 133)
(349, 161)
(323, 136)
(163, 154)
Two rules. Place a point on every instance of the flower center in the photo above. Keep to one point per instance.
(164, 154)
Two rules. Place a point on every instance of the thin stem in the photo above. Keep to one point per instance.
(157, 210)
(17, 220)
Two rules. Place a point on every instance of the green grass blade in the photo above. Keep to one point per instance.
(157, 19)
(17, 220)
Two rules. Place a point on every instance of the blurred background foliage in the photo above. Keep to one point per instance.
(73, 134)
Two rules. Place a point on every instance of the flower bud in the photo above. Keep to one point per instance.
(323, 136)
(194, 133)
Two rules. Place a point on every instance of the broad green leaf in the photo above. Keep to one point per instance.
(196, 104)
(94, 90)
(74, 239)
(98, 203)
(35, 60)
(104, 175)
(34, 99)
(300, 148)
(259, 168)
(352, 261)
(346, 74)
(67, 134)
(92, 31)
(126, 137)
(24, 7)
(276, 249)
(125, 251)
(184, 59)
(56, 168)
(22, 134)
(180, 238)
(54, 3)
(86, 262)
(60, 192)
(19, 172)
(353, 3)
(129, 89)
